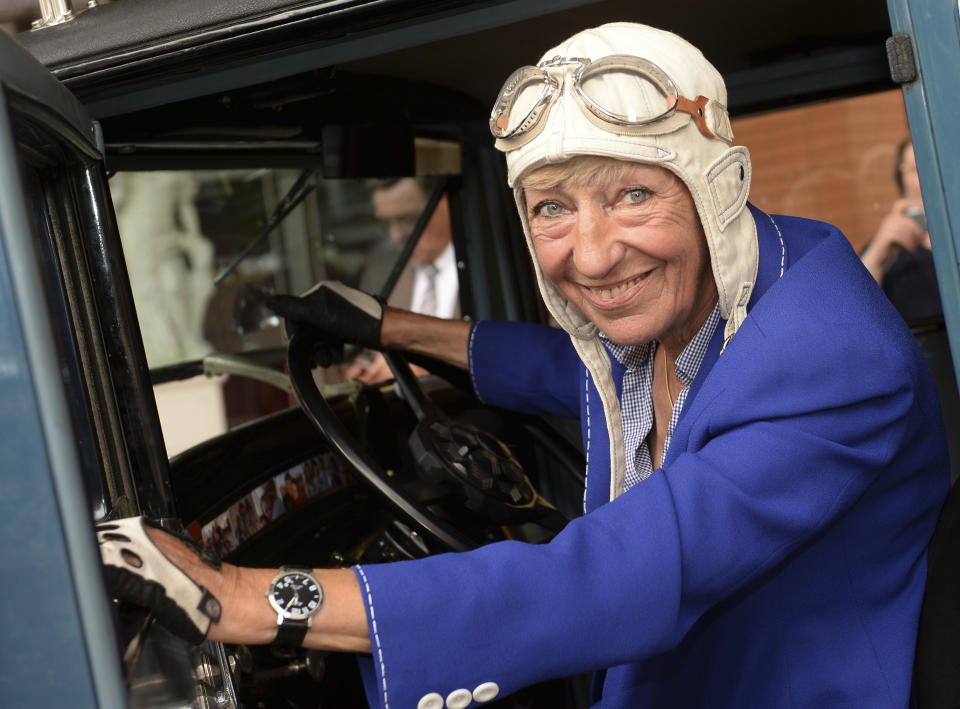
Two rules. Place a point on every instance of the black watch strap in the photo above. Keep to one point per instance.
(290, 633)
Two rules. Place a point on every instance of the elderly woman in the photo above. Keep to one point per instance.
(763, 474)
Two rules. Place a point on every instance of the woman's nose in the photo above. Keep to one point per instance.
(596, 249)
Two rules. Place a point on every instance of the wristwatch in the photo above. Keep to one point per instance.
(296, 595)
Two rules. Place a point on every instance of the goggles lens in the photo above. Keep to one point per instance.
(521, 102)
(626, 91)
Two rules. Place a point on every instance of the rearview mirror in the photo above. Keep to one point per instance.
(367, 150)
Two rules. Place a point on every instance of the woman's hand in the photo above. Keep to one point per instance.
(162, 577)
(337, 312)
(199, 600)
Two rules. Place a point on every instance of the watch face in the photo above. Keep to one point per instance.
(295, 595)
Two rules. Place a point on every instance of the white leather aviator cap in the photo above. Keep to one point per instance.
(653, 99)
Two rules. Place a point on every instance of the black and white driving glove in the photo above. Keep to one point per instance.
(139, 573)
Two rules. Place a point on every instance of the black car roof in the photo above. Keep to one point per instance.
(134, 54)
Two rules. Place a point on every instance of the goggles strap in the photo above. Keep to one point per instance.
(698, 110)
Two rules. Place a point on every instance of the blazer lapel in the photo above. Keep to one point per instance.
(773, 259)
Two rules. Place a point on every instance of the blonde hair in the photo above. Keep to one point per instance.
(579, 170)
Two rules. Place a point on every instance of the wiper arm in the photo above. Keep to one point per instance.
(405, 379)
(290, 201)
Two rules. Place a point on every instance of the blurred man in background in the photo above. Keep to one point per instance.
(429, 285)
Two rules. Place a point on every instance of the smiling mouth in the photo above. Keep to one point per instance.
(604, 293)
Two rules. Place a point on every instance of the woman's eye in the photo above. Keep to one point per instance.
(640, 194)
(548, 209)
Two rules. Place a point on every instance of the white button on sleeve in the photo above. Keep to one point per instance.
(485, 692)
(430, 701)
(459, 699)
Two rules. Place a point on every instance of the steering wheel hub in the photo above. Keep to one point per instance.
(492, 477)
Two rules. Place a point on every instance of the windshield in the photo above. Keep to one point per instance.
(195, 242)
(180, 230)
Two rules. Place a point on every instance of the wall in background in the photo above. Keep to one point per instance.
(831, 161)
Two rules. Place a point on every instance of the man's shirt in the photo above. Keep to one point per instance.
(446, 286)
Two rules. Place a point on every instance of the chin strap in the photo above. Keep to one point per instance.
(139, 573)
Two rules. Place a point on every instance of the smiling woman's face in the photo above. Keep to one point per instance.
(628, 249)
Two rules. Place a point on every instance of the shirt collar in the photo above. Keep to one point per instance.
(446, 261)
(689, 361)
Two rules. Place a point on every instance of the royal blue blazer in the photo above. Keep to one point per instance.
(778, 557)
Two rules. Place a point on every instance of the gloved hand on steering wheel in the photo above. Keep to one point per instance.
(341, 314)
(138, 572)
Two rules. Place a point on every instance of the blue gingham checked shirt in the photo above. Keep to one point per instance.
(636, 400)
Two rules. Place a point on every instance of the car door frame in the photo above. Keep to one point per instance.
(59, 646)
(932, 30)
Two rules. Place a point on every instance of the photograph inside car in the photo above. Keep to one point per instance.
(176, 176)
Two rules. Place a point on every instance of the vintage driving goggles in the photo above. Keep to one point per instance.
(621, 94)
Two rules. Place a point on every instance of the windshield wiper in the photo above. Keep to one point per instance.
(418, 227)
(290, 201)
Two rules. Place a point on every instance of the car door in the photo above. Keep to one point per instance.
(926, 62)
(925, 59)
(77, 421)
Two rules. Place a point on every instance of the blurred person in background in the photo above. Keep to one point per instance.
(429, 285)
(899, 256)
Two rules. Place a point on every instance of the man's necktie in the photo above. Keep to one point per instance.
(428, 303)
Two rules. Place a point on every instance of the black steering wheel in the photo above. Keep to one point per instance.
(492, 480)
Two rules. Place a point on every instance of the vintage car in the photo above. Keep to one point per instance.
(163, 163)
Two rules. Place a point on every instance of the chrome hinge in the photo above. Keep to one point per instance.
(56, 12)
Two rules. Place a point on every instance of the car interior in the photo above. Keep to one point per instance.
(235, 150)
